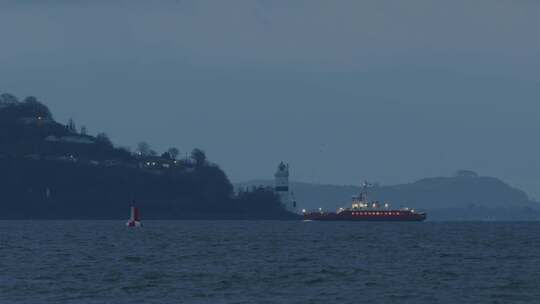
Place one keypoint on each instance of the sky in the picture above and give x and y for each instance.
(384, 90)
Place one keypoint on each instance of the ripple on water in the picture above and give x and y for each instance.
(269, 262)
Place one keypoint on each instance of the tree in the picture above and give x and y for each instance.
(31, 99)
(103, 138)
(71, 126)
(33, 108)
(143, 148)
(8, 99)
(173, 152)
(167, 156)
(198, 156)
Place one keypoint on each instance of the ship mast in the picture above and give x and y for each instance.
(364, 193)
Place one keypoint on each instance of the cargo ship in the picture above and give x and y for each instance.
(363, 210)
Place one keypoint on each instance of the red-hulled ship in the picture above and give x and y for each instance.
(363, 210)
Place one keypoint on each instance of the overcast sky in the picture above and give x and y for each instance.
(389, 91)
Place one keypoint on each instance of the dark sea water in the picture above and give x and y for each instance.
(268, 262)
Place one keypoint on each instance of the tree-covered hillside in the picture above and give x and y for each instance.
(54, 171)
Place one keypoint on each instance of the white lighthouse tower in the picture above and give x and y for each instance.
(281, 186)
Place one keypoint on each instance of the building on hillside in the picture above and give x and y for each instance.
(38, 121)
(156, 162)
(73, 139)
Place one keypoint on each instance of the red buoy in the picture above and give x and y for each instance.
(135, 219)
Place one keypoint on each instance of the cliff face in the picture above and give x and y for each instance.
(52, 171)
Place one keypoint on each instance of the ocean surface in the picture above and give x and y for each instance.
(269, 262)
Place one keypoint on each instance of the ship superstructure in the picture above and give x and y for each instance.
(363, 210)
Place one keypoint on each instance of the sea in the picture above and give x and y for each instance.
(269, 262)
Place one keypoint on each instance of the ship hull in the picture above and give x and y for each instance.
(361, 217)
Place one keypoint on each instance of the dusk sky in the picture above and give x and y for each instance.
(389, 91)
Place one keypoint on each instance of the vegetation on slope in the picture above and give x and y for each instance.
(51, 170)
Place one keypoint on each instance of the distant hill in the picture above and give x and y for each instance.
(49, 170)
(465, 196)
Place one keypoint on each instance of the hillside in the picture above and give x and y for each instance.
(460, 197)
(53, 171)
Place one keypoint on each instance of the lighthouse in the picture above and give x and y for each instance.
(281, 186)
